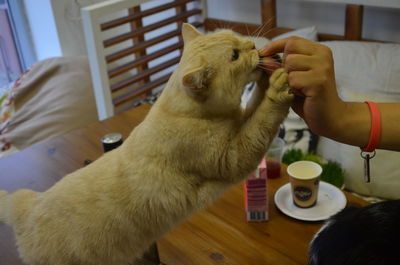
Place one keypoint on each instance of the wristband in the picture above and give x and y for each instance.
(375, 127)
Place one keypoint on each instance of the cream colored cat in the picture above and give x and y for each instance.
(194, 144)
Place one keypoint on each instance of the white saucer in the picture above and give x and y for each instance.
(330, 201)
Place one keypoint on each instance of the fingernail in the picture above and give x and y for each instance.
(266, 51)
(261, 51)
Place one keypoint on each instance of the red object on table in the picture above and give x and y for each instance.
(255, 194)
(273, 169)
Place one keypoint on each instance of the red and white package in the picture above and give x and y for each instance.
(256, 195)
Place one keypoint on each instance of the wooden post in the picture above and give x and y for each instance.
(353, 24)
(268, 14)
(135, 25)
(180, 9)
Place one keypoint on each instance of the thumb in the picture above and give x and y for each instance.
(274, 47)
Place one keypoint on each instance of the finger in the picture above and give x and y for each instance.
(302, 82)
(299, 45)
(297, 62)
(273, 48)
(289, 45)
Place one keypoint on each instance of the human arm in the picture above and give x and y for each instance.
(312, 78)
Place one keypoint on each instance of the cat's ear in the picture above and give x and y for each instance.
(189, 32)
(195, 80)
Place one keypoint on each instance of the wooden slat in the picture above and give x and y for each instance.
(268, 14)
(144, 59)
(141, 90)
(143, 45)
(129, 35)
(139, 15)
(129, 81)
(329, 37)
(353, 24)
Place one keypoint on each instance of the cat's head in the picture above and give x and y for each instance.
(215, 68)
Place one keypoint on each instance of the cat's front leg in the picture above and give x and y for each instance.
(257, 133)
(210, 190)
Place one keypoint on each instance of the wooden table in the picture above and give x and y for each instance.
(218, 235)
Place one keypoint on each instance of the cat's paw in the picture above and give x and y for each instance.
(278, 90)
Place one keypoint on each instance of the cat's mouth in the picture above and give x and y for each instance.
(270, 63)
(265, 64)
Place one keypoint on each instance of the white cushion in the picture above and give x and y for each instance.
(366, 69)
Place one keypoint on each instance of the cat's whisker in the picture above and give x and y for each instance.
(268, 23)
(269, 62)
(269, 69)
(268, 31)
(247, 29)
(260, 31)
(265, 68)
(256, 30)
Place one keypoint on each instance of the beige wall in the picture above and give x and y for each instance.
(63, 34)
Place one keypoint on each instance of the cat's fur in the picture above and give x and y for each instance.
(193, 145)
(360, 236)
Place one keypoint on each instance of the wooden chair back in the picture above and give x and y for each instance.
(133, 48)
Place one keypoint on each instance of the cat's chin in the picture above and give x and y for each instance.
(255, 75)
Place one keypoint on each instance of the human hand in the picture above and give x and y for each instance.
(312, 79)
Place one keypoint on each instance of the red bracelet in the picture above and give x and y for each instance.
(375, 127)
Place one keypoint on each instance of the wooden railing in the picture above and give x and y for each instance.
(134, 77)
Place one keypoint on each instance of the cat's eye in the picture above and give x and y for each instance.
(235, 55)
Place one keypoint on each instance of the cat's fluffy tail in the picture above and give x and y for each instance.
(3, 206)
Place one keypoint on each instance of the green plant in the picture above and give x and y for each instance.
(313, 158)
(331, 171)
(292, 155)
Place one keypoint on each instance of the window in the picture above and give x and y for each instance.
(16, 48)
